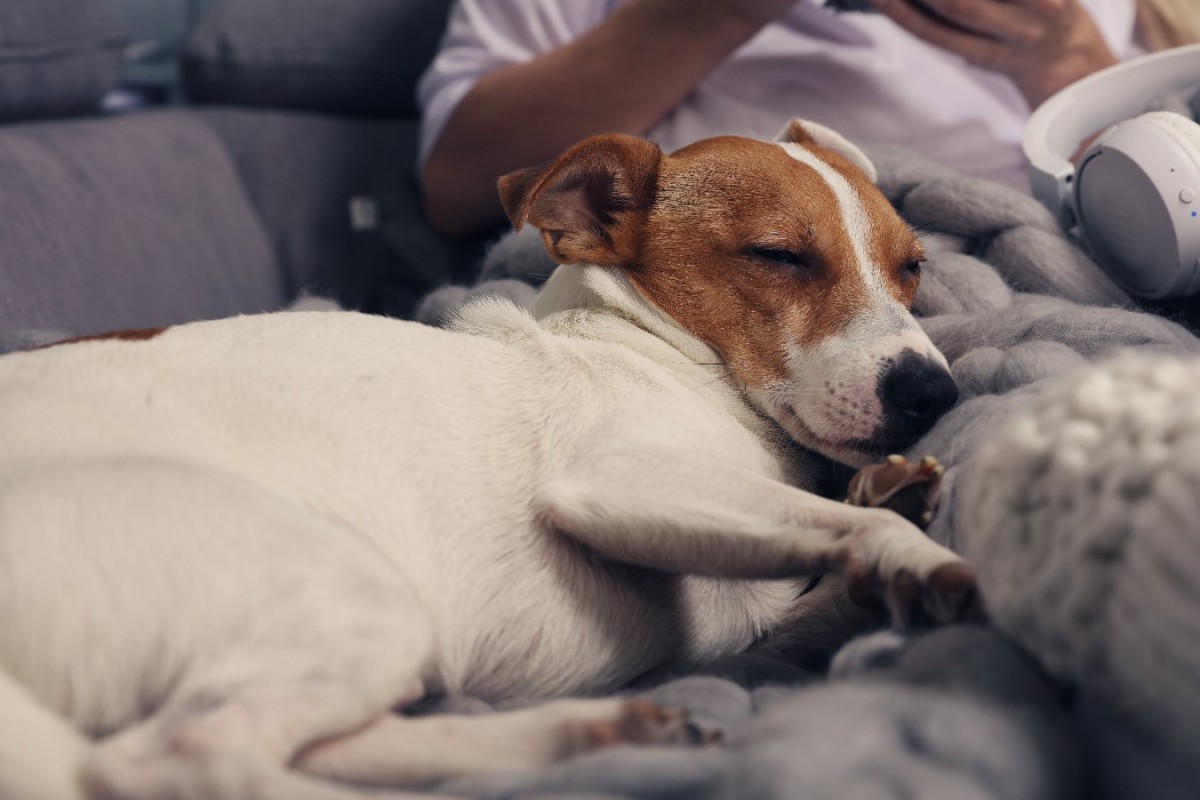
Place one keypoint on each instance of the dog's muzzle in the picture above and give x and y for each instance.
(915, 391)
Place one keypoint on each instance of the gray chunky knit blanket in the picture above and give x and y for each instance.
(1087, 554)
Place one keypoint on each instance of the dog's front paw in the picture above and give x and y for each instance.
(910, 488)
(643, 722)
(947, 594)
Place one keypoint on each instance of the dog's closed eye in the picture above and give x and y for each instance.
(782, 256)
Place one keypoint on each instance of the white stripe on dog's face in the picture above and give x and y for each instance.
(845, 415)
(854, 217)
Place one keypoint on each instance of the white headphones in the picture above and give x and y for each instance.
(1135, 197)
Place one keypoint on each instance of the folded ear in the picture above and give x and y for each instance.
(804, 132)
(591, 203)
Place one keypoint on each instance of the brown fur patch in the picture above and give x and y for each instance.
(717, 201)
(696, 232)
(130, 335)
(893, 244)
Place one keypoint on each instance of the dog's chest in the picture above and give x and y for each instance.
(582, 625)
(566, 623)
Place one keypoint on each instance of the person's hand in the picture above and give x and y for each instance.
(1042, 45)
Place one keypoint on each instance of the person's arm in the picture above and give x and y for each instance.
(624, 75)
(1041, 45)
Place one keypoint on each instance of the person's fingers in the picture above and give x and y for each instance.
(1066, 45)
(979, 50)
(1012, 22)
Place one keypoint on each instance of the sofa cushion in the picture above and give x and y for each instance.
(339, 199)
(126, 222)
(57, 57)
(362, 57)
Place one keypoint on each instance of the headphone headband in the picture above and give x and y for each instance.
(1119, 92)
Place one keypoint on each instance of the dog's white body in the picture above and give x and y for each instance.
(242, 537)
(423, 446)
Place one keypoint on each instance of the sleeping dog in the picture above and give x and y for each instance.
(230, 550)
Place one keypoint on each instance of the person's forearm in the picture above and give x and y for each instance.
(622, 76)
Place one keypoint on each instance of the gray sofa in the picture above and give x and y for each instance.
(287, 171)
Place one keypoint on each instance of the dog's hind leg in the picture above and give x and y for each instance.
(217, 746)
(415, 751)
(283, 682)
(235, 725)
(41, 754)
(247, 628)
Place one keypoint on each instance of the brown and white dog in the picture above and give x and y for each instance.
(229, 550)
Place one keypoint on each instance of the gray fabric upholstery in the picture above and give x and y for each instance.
(361, 57)
(126, 222)
(57, 57)
(206, 211)
(302, 173)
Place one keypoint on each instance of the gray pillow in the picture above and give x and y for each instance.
(57, 57)
(359, 57)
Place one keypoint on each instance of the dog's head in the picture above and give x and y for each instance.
(782, 256)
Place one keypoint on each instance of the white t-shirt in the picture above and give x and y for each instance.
(860, 74)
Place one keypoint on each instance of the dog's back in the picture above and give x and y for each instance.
(380, 427)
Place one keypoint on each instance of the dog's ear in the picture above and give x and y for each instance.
(805, 132)
(590, 203)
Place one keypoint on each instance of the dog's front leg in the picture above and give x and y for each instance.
(676, 510)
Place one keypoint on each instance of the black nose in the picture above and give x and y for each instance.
(916, 391)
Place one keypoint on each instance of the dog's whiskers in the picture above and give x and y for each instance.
(726, 376)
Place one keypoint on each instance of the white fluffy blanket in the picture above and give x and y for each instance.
(1083, 514)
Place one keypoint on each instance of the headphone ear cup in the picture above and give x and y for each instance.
(1184, 129)
(1137, 197)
